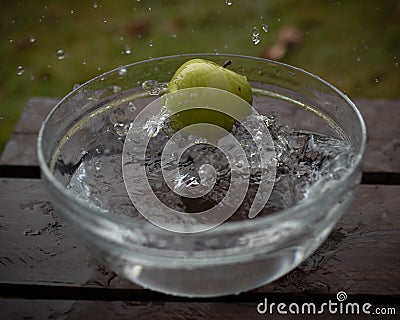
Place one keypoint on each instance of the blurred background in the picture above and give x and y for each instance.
(48, 47)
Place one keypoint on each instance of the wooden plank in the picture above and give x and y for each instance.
(35, 245)
(361, 255)
(381, 117)
(21, 147)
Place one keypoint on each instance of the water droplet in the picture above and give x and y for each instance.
(95, 5)
(10, 40)
(72, 11)
(173, 35)
(104, 20)
(20, 70)
(84, 61)
(60, 54)
(1, 117)
(279, 19)
(228, 2)
(32, 39)
(97, 165)
(396, 64)
(255, 37)
(122, 71)
(127, 50)
(76, 86)
(265, 27)
(376, 80)
(152, 87)
(150, 43)
(121, 128)
(131, 106)
(116, 89)
(358, 59)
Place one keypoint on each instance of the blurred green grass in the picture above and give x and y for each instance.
(353, 44)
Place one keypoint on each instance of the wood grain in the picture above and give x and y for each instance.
(360, 256)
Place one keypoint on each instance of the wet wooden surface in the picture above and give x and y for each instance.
(45, 273)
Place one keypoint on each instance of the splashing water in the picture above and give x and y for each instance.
(306, 163)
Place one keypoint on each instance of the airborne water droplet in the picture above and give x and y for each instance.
(150, 43)
(122, 71)
(228, 2)
(127, 50)
(95, 5)
(60, 54)
(255, 37)
(32, 39)
(20, 70)
(152, 87)
(131, 106)
(265, 27)
(376, 80)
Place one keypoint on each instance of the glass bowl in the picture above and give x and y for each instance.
(91, 123)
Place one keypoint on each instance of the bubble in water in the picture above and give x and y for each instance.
(72, 11)
(151, 43)
(84, 61)
(104, 20)
(127, 50)
(376, 80)
(265, 27)
(228, 2)
(255, 36)
(60, 54)
(153, 87)
(20, 70)
(122, 71)
(95, 5)
(32, 39)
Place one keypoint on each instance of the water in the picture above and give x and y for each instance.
(306, 163)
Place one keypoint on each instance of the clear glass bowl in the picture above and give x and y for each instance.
(237, 255)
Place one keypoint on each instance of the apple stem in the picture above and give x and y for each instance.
(227, 63)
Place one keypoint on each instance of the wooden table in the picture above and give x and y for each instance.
(45, 273)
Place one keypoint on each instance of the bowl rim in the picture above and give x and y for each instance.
(242, 225)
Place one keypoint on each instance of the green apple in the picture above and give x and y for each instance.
(203, 73)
